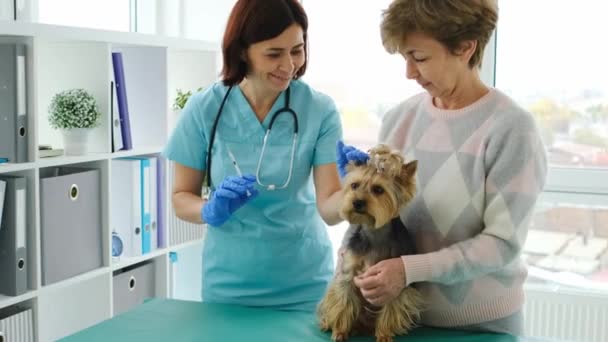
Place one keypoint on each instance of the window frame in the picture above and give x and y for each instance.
(560, 179)
(577, 186)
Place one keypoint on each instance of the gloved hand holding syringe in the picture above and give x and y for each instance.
(236, 167)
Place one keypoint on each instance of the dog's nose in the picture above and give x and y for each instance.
(359, 205)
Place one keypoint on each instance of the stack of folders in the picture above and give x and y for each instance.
(16, 325)
(121, 124)
(13, 103)
(13, 253)
(136, 219)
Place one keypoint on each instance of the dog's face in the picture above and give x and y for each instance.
(374, 192)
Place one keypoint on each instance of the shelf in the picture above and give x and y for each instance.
(69, 160)
(126, 262)
(16, 167)
(137, 152)
(76, 34)
(74, 280)
(185, 245)
(6, 301)
(60, 58)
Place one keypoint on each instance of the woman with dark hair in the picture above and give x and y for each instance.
(264, 141)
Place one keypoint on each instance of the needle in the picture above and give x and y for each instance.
(236, 167)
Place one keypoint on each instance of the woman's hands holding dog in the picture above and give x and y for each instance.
(382, 282)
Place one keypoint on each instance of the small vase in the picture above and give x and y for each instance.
(75, 141)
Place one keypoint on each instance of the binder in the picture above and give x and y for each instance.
(13, 247)
(17, 325)
(121, 97)
(13, 103)
(70, 218)
(126, 208)
(146, 200)
(160, 202)
(153, 195)
(116, 124)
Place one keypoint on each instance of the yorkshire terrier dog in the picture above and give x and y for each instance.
(374, 193)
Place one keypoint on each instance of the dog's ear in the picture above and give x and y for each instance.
(409, 168)
(407, 178)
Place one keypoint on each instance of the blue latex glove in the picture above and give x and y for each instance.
(227, 198)
(346, 154)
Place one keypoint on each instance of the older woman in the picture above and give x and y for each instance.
(481, 167)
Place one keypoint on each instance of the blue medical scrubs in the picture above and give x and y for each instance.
(274, 251)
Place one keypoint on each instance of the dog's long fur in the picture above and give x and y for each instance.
(374, 193)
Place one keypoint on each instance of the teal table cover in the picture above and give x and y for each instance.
(175, 320)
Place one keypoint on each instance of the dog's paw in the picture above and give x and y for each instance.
(384, 339)
(323, 325)
(339, 337)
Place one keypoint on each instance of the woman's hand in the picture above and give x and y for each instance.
(346, 154)
(382, 282)
(232, 194)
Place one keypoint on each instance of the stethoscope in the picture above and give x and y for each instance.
(285, 109)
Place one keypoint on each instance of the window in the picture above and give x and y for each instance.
(348, 62)
(194, 19)
(206, 19)
(554, 70)
(99, 14)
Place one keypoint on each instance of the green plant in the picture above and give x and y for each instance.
(74, 108)
(181, 98)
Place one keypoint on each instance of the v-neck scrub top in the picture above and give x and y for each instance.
(274, 251)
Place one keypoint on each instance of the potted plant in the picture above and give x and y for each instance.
(181, 98)
(74, 112)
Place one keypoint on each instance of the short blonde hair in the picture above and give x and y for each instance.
(448, 21)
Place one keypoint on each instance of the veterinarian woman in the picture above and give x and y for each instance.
(481, 167)
(266, 244)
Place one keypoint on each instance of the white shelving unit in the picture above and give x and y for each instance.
(60, 58)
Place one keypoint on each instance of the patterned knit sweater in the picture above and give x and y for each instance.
(480, 171)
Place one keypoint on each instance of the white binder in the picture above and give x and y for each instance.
(153, 204)
(126, 209)
(145, 200)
